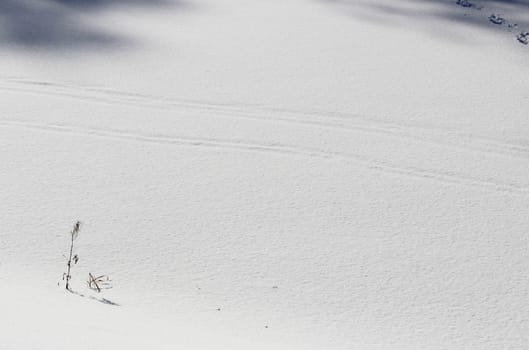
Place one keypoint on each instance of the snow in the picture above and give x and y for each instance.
(284, 175)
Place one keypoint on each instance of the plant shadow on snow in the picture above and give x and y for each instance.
(101, 300)
(420, 13)
(65, 24)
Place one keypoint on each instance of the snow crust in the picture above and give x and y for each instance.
(300, 174)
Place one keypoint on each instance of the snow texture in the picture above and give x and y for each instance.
(302, 174)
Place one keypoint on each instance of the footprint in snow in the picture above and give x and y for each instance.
(523, 38)
(497, 19)
(468, 4)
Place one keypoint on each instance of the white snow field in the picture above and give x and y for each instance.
(301, 174)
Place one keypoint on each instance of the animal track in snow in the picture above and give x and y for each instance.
(498, 20)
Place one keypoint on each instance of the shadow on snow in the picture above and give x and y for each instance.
(422, 12)
(64, 24)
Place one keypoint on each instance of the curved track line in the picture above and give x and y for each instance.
(277, 148)
(171, 140)
(333, 120)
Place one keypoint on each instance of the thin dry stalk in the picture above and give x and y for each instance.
(98, 283)
(73, 235)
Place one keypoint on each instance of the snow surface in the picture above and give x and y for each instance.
(302, 174)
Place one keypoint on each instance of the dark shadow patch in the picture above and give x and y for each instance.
(446, 14)
(65, 24)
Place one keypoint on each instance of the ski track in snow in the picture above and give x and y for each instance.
(245, 145)
(333, 120)
(428, 135)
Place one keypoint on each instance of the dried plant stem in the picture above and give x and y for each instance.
(73, 235)
(68, 276)
(98, 283)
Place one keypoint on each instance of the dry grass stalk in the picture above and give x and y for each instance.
(98, 283)
(73, 235)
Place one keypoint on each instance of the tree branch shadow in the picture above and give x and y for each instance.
(440, 16)
(63, 24)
